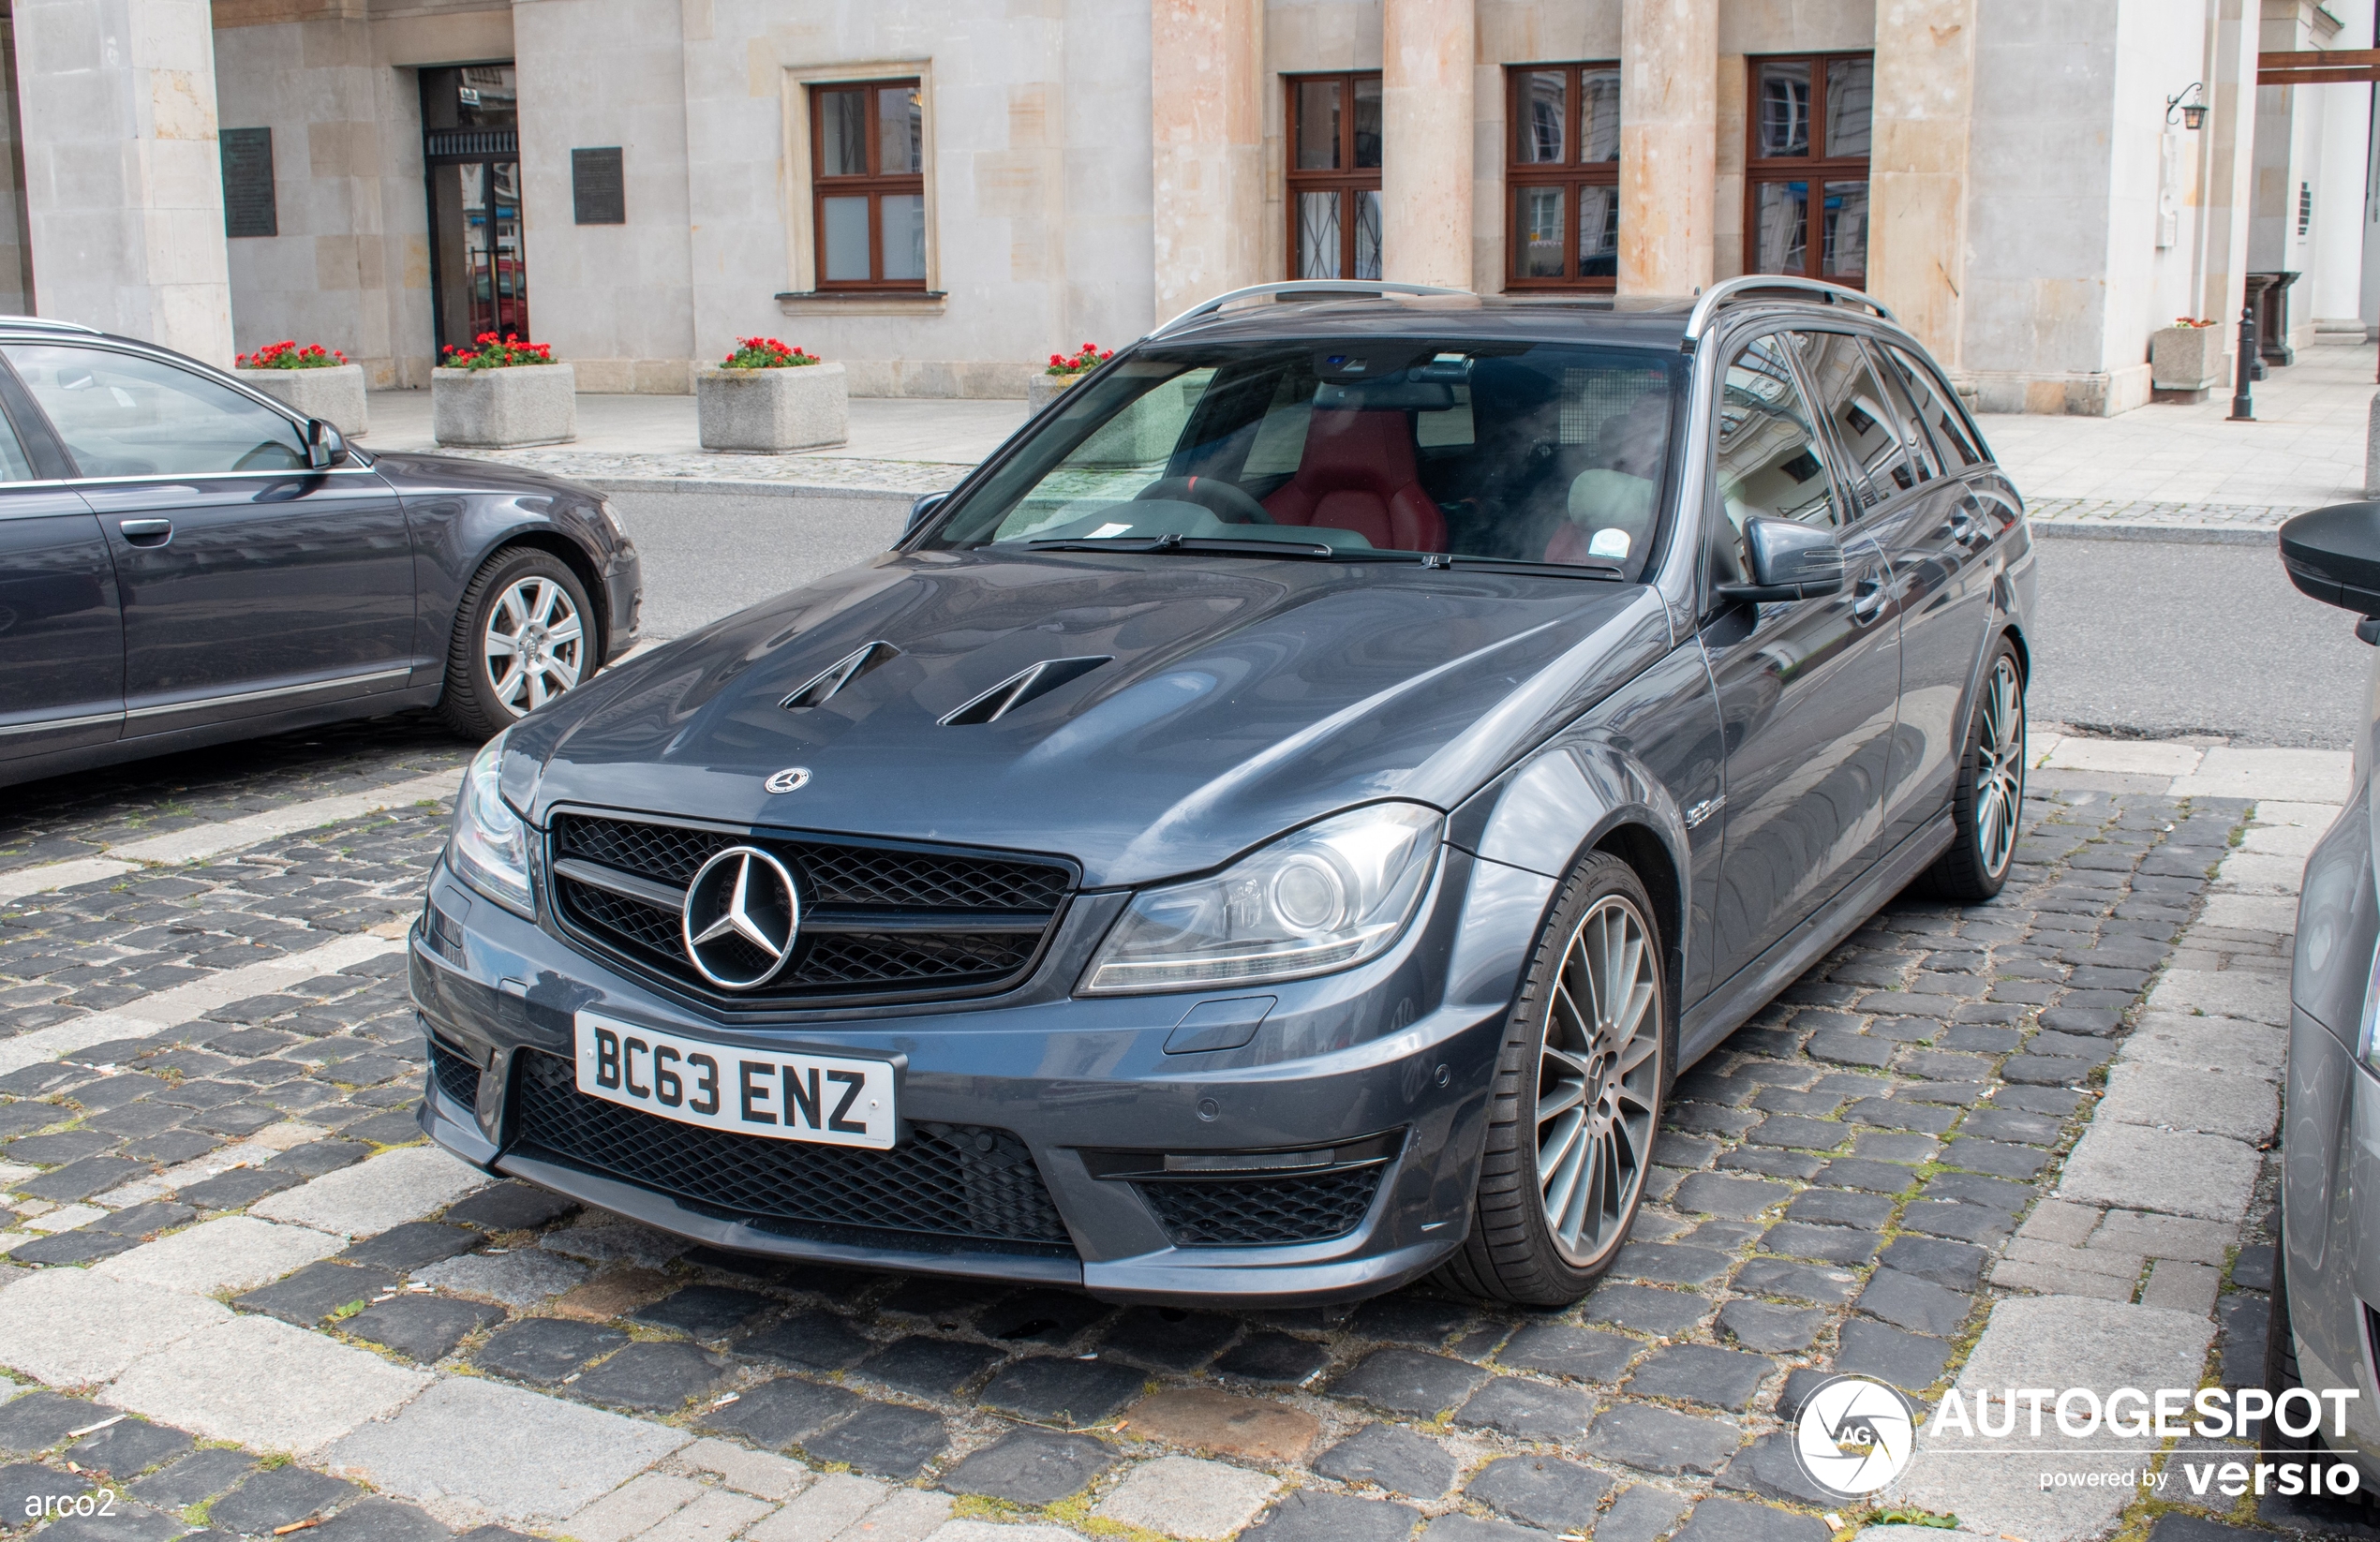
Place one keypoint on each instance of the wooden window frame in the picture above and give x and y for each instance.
(1346, 182)
(1570, 173)
(875, 184)
(1815, 170)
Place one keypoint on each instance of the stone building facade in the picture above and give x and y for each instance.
(941, 192)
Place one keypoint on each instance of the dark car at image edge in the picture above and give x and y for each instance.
(1279, 826)
(185, 561)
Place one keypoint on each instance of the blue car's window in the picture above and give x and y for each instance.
(122, 415)
(1536, 452)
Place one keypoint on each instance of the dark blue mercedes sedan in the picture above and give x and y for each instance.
(1277, 828)
(185, 561)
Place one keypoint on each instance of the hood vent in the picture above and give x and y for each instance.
(840, 674)
(1024, 686)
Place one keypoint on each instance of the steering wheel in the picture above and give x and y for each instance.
(1221, 498)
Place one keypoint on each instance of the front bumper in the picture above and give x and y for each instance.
(1391, 1048)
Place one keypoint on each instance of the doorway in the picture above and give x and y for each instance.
(470, 146)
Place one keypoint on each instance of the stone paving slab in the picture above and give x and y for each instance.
(69, 1327)
(2056, 1341)
(444, 1451)
(265, 1385)
(231, 1253)
(368, 1199)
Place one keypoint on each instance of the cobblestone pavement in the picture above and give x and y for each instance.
(694, 472)
(243, 1297)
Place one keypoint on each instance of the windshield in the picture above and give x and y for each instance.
(1516, 451)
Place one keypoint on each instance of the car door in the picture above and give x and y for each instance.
(250, 584)
(1808, 689)
(61, 631)
(1935, 539)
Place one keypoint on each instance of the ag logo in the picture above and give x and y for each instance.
(1854, 1436)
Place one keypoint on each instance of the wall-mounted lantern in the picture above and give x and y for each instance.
(2193, 114)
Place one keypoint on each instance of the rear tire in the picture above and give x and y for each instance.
(1571, 1122)
(523, 635)
(1987, 806)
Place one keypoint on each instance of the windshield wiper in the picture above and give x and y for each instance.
(1521, 565)
(1193, 545)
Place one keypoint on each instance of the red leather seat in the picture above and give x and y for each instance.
(1358, 474)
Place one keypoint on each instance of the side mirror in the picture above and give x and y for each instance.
(2333, 555)
(1790, 560)
(325, 446)
(923, 510)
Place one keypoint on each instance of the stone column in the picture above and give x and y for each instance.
(1426, 53)
(123, 182)
(1917, 175)
(2230, 147)
(1669, 144)
(1206, 107)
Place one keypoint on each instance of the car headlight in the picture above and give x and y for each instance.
(1319, 899)
(619, 531)
(488, 848)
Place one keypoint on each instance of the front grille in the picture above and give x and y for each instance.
(1266, 1211)
(963, 1180)
(457, 1077)
(877, 921)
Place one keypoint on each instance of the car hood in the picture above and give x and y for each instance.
(1239, 699)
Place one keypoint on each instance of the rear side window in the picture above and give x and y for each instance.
(122, 415)
(15, 466)
(1867, 427)
(1947, 425)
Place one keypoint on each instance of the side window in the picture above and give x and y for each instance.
(1865, 425)
(15, 466)
(1920, 451)
(1949, 426)
(1771, 461)
(122, 415)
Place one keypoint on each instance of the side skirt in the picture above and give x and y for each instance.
(1710, 1020)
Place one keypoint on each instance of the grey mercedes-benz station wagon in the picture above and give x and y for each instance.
(1279, 826)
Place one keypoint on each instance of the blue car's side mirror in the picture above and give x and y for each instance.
(922, 510)
(1790, 560)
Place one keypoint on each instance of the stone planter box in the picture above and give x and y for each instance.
(505, 409)
(770, 411)
(2186, 358)
(334, 395)
(1041, 390)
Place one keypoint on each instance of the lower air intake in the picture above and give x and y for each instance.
(1263, 1212)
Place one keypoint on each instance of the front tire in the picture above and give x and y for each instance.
(1577, 1096)
(1988, 804)
(523, 635)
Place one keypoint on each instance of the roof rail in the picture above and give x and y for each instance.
(1372, 287)
(1727, 290)
(44, 323)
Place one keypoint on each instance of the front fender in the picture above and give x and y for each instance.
(1625, 776)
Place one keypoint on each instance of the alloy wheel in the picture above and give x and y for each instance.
(2000, 768)
(1598, 1080)
(535, 644)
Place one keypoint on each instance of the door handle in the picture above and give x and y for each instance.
(1869, 600)
(146, 532)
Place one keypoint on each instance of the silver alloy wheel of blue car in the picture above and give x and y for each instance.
(536, 644)
(2000, 776)
(1598, 1080)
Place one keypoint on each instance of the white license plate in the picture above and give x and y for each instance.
(822, 1098)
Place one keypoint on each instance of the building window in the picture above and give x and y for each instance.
(1806, 169)
(1334, 176)
(1562, 174)
(867, 185)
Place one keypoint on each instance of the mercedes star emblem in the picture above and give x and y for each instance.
(791, 779)
(739, 917)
